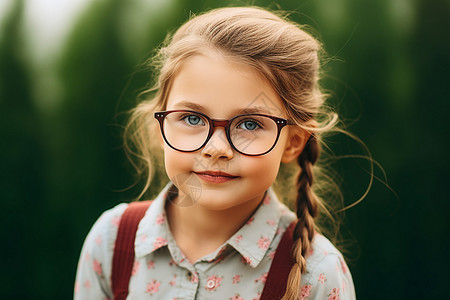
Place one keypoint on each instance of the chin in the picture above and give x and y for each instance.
(216, 203)
(221, 200)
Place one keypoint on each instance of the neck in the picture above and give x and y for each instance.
(199, 231)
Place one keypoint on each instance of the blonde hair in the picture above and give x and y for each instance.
(288, 57)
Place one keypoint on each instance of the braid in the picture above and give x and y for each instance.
(307, 210)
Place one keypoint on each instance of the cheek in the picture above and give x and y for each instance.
(176, 162)
(266, 167)
(263, 169)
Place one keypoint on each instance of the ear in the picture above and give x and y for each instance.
(295, 143)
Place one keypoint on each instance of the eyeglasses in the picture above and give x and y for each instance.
(248, 134)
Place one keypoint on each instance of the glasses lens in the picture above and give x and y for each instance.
(186, 131)
(253, 134)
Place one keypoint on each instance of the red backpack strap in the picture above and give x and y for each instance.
(123, 257)
(282, 263)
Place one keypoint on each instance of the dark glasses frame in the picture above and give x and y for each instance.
(213, 123)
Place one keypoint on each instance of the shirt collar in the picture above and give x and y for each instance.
(252, 240)
(153, 230)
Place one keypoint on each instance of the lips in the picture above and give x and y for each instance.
(215, 176)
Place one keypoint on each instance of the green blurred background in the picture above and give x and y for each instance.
(61, 112)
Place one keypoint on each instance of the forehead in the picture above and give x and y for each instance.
(221, 88)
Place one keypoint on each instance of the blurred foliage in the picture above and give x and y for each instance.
(62, 163)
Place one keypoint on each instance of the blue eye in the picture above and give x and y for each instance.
(193, 120)
(249, 125)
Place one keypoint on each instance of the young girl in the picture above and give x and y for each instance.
(237, 95)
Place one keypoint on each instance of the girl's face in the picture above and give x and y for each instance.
(216, 176)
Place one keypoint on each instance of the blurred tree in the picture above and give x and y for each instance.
(84, 143)
(21, 152)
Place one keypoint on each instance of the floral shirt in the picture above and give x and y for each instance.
(236, 270)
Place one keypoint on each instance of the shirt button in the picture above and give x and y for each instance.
(210, 284)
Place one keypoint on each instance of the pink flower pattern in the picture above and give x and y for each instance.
(173, 281)
(343, 266)
(264, 243)
(246, 260)
(87, 284)
(262, 278)
(153, 287)
(305, 291)
(233, 279)
(216, 280)
(238, 238)
(219, 259)
(136, 266)
(97, 267)
(194, 278)
(322, 278)
(258, 296)
(98, 240)
(115, 221)
(159, 242)
(271, 222)
(236, 279)
(150, 264)
(160, 219)
(334, 295)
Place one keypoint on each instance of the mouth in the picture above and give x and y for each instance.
(215, 176)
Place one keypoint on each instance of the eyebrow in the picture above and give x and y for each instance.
(255, 110)
(202, 109)
(191, 105)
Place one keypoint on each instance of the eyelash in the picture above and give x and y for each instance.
(185, 116)
(259, 126)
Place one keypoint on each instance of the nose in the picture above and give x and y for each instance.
(218, 146)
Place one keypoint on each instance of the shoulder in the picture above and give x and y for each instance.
(327, 273)
(94, 266)
(102, 236)
(322, 250)
(107, 225)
